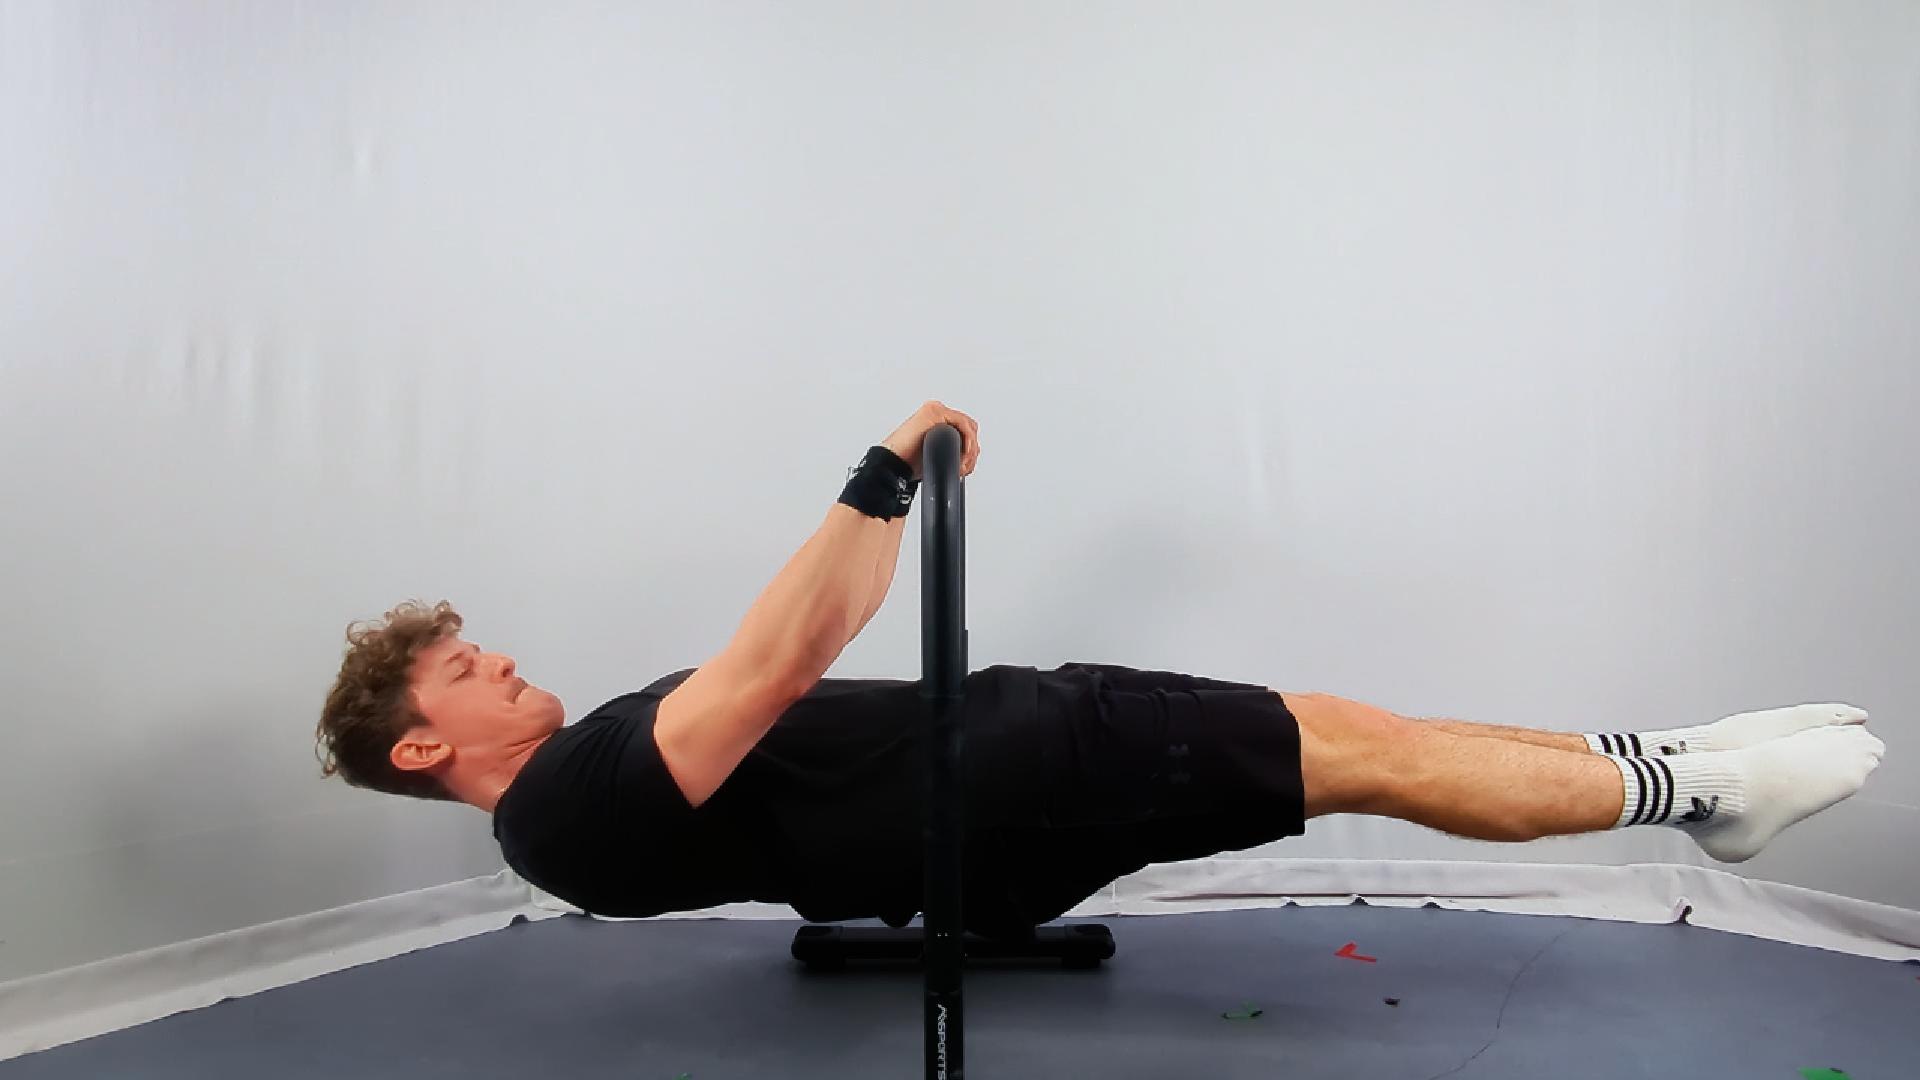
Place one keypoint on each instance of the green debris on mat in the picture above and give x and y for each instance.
(1245, 1012)
(1824, 1074)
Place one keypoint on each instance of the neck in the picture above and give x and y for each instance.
(483, 788)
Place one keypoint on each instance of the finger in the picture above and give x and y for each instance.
(960, 422)
(969, 435)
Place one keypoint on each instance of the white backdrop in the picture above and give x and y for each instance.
(1542, 364)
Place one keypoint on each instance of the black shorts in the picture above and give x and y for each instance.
(1142, 767)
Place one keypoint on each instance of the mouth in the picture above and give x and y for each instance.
(522, 690)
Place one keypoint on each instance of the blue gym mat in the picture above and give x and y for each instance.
(1423, 995)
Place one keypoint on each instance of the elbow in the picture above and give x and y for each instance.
(813, 651)
(792, 676)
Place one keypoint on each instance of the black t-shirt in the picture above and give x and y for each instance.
(824, 814)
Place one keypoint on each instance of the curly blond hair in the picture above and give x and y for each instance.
(371, 705)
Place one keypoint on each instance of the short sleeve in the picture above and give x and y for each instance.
(600, 823)
(657, 853)
(644, 789)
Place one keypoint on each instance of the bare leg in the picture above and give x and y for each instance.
(1729, 733)
(1552, 740)
(1361, 759)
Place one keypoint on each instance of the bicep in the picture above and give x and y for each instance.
(712, 720)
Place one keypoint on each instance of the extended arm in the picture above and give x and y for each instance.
(792, 634)
(790, 637)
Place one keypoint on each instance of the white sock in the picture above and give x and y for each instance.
(1732, 802)
(1735, 732)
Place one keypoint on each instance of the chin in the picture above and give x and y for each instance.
(556, 713)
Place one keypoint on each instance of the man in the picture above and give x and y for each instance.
(755, 778)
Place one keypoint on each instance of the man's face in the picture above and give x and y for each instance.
(472, 699)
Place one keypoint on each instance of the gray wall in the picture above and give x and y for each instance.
(1543, 364)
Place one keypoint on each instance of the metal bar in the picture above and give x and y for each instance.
(943, 660)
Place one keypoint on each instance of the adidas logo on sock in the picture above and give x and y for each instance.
(1702, 809)
(1678, 746)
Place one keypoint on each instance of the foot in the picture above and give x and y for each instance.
(1783, 780)
(1748, 729)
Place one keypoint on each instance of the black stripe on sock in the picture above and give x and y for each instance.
(1652, 816)
(1666, 811)
(1635, 740)
(1662, 794)
(1640, 806)
(1606, 743)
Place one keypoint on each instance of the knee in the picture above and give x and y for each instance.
(1355, 758)
(1344, 723)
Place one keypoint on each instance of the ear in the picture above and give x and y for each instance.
(416, 751)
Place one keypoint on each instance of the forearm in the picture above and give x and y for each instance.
(822, 597)
(888, 560)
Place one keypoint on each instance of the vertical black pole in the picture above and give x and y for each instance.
(943, 661)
